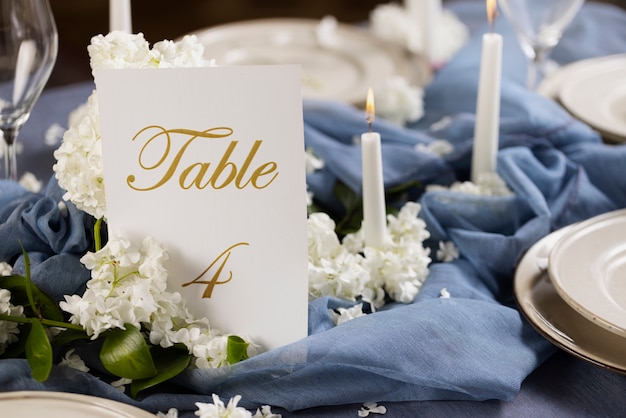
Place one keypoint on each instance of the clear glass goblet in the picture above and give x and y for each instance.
(539, 25)
(28, 50)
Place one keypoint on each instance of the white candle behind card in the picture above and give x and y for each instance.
(120, 17)
(374, 214)
(486, 131)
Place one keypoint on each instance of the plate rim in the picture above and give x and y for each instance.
(584, 71)
(89, 400)
(556, 280)
(527, 274)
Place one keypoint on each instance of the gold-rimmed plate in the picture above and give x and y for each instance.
(556, 320)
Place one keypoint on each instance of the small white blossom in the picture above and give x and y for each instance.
(120, 384)
(439, 147)
(30, 182)
(172, 413)
(217, 409)
(312, 163)
(5, 269)
(345, 315)
(53, 134)
(488, 184)
(371, 408)
(73, 360)
(326, 32)
(447, 251)
(399, 102)
(8, 329)
(444, 294)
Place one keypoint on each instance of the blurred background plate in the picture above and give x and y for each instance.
(339, 61)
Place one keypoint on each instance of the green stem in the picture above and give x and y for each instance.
(97, 235)
(47, 322)
(29, 284)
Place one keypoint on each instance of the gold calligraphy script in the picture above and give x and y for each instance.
(202, 174)
(215, 280)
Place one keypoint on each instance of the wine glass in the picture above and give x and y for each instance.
(539, 25)
(28, 50)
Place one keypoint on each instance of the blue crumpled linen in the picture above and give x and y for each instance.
(473, 346)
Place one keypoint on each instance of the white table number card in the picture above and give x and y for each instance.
(210, 162)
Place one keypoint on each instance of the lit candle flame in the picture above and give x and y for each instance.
(369, 108)
(492, 12)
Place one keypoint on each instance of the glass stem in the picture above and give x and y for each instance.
(10, 158)
(535, 68)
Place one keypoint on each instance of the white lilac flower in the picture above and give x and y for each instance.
(333, 270)
(120, 50)
(371, 408)
(5, 269)
(447, 251)
(399, 102)
(487, 184)
(345, 315)
(171, 413)
(350, 270)
(73, 360)
(217, 409)
(392, 22)
(79, 158)
(8, 329)
(128, 286)
(444, 294)
(79, 161)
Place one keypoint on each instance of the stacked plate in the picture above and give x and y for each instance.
(571, 286)
(594, 91)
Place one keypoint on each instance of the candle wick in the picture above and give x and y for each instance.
(369, 122)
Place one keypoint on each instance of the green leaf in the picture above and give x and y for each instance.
(236, 349)
(39, 352)
(169, 363)
(125, 353)
(44, 304)
(69, 336)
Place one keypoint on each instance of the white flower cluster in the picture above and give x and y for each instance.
(79, 158)
(393, 23)
(350, 270)
(487, 184)
(128, 286)
(217, 409)
(8, 329)
(399, 102)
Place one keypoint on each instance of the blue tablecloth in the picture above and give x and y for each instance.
(474, 346)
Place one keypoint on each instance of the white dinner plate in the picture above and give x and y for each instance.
(555, 319)
(595, 92)
(64, 405)
(552, 83)
(338, 63)
(588, 269)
